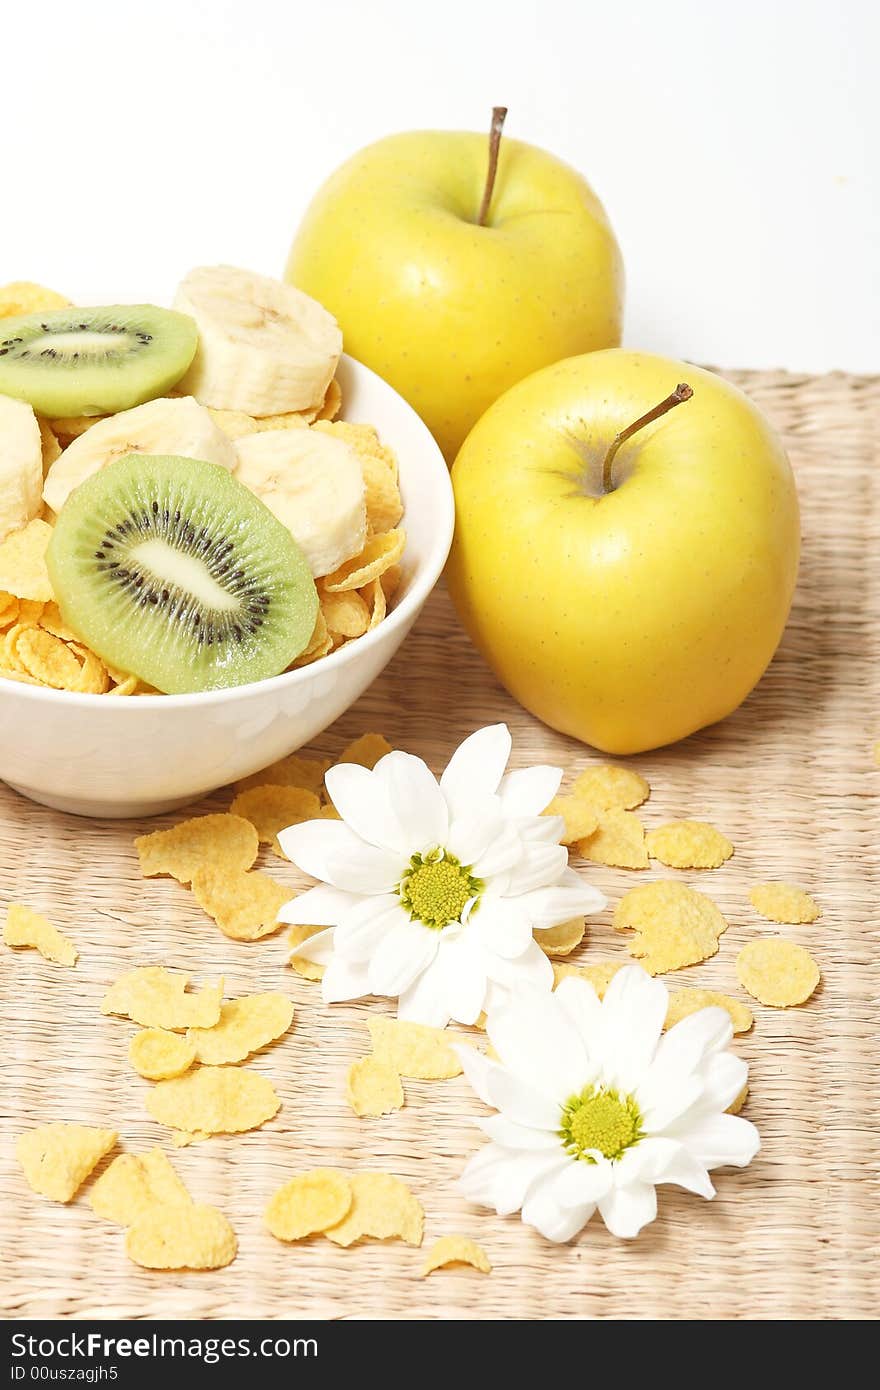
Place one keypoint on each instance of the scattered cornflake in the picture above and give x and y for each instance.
(372, 1087)
(308, 969)
(599, 975)
(689, 844)
(783, 902)
(382, 1208)
(777, 972)
(456, 1250)
(245, 906)
(273, 807)
(56, 1159)
(158, 998)
(158, 1055)
(346, 614)
(24, 927)
(52, 621)
(739, 1101)
(245, 1025)
(618, 842)
(134, 1184)
(378, 555)
(292, 771)
(374, 597)
(223, 839)
(320, 643)
(23, 562)
(581, 817)
(25, 297)
(47, 659)
(689, 1001)
(181, 1237)
(674, 925)
(214, 1100)
(308, 1204)
(414, 1049)
(365, 751)
(611, 788)
(561, 940)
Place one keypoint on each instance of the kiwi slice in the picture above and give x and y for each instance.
(171, 569)
(94, 361)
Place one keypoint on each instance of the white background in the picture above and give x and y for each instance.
(734, 144)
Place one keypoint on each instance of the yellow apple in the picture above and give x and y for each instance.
(449, 311)
(625, 596)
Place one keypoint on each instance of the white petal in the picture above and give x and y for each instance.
(547, 907)
(582, 1183)
(677, 1060)
(518, 974)
(465, 982)
(529, 790)
(555, 1222)
(402, 954)
(424, 1001)
(361, 798)
(502, 854)
(538, 866)
(721, 1140)
(582, 1005)
(537, 1041)
(478, 1068)
(666, 1161)
(476, 768)
(343, 980)
(501, 926)
(625, 1210)
(473, 832)
(539, 829)
(364, 926)
(417, 800)
(633, 1014)
(667, 1100)
(331, 851)
(521, 1102)
(723, 1077)
(317, 948)
(513, 1136)
(500, 1178)
(322, 906)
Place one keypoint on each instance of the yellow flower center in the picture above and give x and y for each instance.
(600, 1120)
(436, 889)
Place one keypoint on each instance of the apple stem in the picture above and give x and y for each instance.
(682, 393)
(499, 114)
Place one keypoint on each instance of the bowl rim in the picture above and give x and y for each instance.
(425, 580)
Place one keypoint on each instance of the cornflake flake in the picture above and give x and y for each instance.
(214, 1100)
(689, 844)
(562, 939)
(689, 1001)
(784, 903)
(223, 840)
(181, 1237)
(619, 842)
(674, 925)
(777, 972)
(245, 1026)
(158, 998)
(372, 1087)
(56, 1159)
(135, 1183)
(158, 1055)
(415, 1049)
(244, 905)
(308, 1204)
(383, 1208)
(456, 1250)
(24, 928)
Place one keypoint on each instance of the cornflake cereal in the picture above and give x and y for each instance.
(292, 771)
(414, 1049)
(214, 1100)
(23, 563)
(246, 1025)
(273, 807)
(618, 842)
(581, 817)
(225, 840)
(739, 1101)
(611, 788)
(777, 972)
(674, 925)
(378, 555)
(24, 927)
(382, 1208)
(245, 906)
(456, 1250)
(157, 1055)
(158, 998)
(561, 940)
(135, 1183)
(689, 1001)
(308, 1204)
(372, 1087)
(56, 1159)
(24, 297)
(307, 969)
(346, 614)
(783, 902)
(599, 975)
(181, 1237)
(689, 844)
(366, 751)
(47, 659)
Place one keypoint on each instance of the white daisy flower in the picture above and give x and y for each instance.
(596, 1106)
(431, 891)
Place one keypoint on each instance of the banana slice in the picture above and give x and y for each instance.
(264, 347)
(314, 485)
(21, 465)
(177, 425)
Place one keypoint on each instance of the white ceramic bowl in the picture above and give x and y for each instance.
(98, 756)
